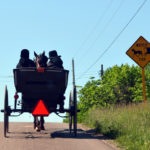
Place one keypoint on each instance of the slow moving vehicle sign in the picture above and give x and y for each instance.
(140, 53)
(40, 109)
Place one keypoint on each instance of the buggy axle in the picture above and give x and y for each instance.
(27, 111)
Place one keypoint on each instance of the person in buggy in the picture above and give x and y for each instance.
(56, 63)
(55, 60)
(24, 60)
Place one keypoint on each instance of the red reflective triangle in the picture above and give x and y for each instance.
(40, 69)
(40, 109)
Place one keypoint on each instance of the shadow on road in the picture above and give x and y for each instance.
(81, 134)
(47, 134)
(28, 135)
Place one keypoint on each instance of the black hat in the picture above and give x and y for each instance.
(53, 53)
(24, 53)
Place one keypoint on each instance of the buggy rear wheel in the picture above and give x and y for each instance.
(6, 112)
(75, 111)
(70, 114)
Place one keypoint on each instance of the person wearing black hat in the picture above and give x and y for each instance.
(56, 63)
(55, 60)
(24, 60)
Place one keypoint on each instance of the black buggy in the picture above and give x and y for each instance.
(41, 84)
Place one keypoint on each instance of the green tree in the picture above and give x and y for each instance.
(119, 85)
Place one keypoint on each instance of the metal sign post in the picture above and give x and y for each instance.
(140, 53)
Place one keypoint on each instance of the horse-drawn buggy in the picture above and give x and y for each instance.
(42, 92)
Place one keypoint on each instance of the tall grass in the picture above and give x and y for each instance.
(128, 125)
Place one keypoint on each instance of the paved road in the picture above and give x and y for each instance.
(55, 137)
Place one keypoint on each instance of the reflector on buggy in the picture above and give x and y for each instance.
(40, 109)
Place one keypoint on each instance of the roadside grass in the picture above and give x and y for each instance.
(128, 125)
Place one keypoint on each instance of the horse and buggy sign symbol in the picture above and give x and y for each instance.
(140, 52)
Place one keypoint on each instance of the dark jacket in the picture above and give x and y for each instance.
(25, 62)
(55, 62)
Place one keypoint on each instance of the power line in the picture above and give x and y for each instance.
(103, 30)
(96, 25)
(118, 35)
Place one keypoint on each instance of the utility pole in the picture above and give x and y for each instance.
(73, 74)
(102, 70)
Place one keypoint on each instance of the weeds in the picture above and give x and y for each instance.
(128, 125)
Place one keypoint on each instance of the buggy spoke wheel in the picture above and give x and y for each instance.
(70, 123)
(70, 114)
(6, 122)
(75, 111)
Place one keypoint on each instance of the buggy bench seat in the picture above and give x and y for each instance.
(34, 84)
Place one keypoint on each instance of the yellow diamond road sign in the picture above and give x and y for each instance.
(140, 52)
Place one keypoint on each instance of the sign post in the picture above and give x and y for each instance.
(140, 53)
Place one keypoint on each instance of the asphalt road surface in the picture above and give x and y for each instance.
(21, 136)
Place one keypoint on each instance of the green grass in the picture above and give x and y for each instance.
(128, 125)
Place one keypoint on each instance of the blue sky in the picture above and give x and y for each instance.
(79, 29)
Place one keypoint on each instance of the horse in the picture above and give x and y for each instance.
(40, 61)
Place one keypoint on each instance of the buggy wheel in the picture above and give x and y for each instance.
(6, 112)
(74, 101)
(70, 113)
(75, 111)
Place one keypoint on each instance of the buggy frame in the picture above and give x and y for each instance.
(46, 84)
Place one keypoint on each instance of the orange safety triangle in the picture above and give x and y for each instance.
(40, 109)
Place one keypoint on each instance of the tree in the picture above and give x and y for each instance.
(119, 85)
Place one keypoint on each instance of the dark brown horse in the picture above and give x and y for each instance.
(41, 62)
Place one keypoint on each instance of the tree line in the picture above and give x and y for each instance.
(118, 85)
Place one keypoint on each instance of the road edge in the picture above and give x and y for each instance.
(110, 143)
